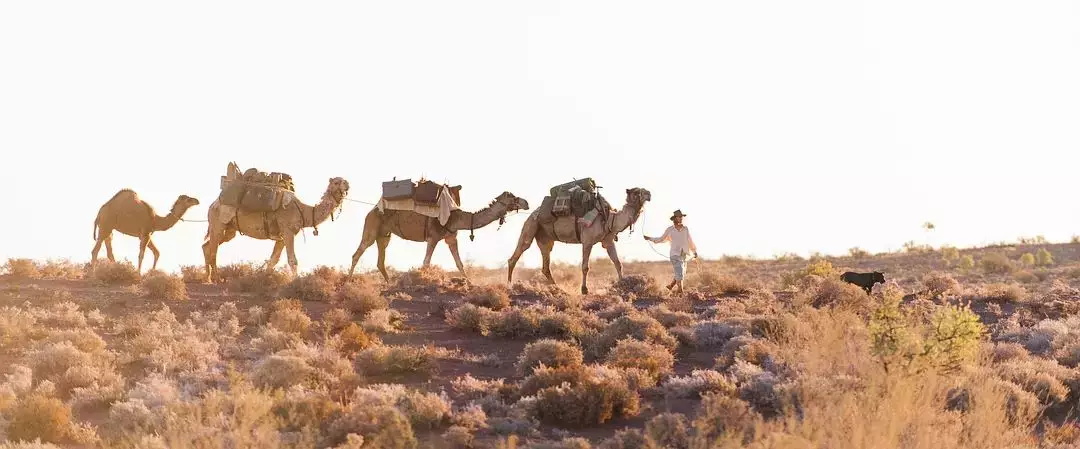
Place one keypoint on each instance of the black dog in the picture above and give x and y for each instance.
(864, 280)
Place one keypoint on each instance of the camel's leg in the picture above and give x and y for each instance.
(154, 251)
(370, 235)
(142, 249)
(546, 245)
(97, 245)
(108, 247)
(275, 255)
(528, 232)
(431, 244)
(382, 243)
(614, 255)
(290, 249)
(451, 242)
(210, 250)
(586, 252)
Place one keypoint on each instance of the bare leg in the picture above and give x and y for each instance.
(614, 255)
(586, 252)
(528, 232)
(382, 243)
(546, 245)
(275, 255)
(451, 241)
(154, 251)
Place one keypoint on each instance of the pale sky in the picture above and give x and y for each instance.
(776, 126)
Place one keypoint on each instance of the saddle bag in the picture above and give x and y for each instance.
(586, 184)
(427, 192)
(231, 192)
(397, 190)
(261, 198)
(561, 206)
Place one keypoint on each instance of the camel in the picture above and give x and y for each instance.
(413, 226)
(546, 230)
(129, 215)
(281, 225)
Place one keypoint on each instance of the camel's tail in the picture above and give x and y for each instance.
(95, 228)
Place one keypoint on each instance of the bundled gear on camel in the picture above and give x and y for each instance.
(578, 198)
(254, 190)
(425, 197)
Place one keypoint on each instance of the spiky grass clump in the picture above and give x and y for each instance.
(163, 286)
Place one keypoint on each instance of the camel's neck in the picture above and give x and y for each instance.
(625, 217)
(475, 220)
(166, 222)
(317, 214)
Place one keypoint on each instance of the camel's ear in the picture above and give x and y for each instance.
(628, 190)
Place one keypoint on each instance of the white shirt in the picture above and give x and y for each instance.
(681, 242)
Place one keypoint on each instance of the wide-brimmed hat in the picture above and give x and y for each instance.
(678, 213)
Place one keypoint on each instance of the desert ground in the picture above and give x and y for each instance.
(961, 348)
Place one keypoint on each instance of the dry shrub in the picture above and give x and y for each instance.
(591, 402)
(289, 317)
(805, 278)
(236, 271)
(967, 262)
(519, 322)
(22, 269)
(44, 418)
(837, 294)
(426, 279)
(549, 353)
(940, 284)
(471, 318)
(655, 359)
(459, 437)
(361, 296)
(715, 333)
(397, 361)
(1025, 277)
(336, 319)
(319, 285)
(549, 293)
(353, 339)
(670, 318)
(382, 425)
(384, 321)
(697, 384)
(62, 269)
(115, 273)
(265, 282)
(1003, 293)
(722, 418)
(494, 297)
(573, 324)
(193, 274)
(715, 283)
(163, 286)
(668, 430)
(637, 326)
(626, 439)
(638, 286)
(996, 263)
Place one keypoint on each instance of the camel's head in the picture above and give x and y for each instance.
(338, 189)
(637, 196)
(183, 203)
(512, 202)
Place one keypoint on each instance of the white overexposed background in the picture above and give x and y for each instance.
(776, 126)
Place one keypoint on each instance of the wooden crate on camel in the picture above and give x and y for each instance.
(254, 190)
(425, 197)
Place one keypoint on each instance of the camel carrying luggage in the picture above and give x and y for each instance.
(576, 198)
(427, 192)
(254, 190)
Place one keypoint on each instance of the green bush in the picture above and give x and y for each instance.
(996, 264)
(1027, 259)
(1043, 257)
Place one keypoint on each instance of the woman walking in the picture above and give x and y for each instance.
(681, 245)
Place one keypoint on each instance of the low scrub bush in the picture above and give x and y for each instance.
(261, 282)
(469, 317)
(115, 273)
(588, 403)
(637, 326)
(655, 359)
(22, 269)
(712, 282)
(163, 286)
(494, 297)
(41, 418)
(360, 297)
(193, 274)
(550, 353)
(396, 361)
(319, 285)
(996, 263)
(638, 286)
